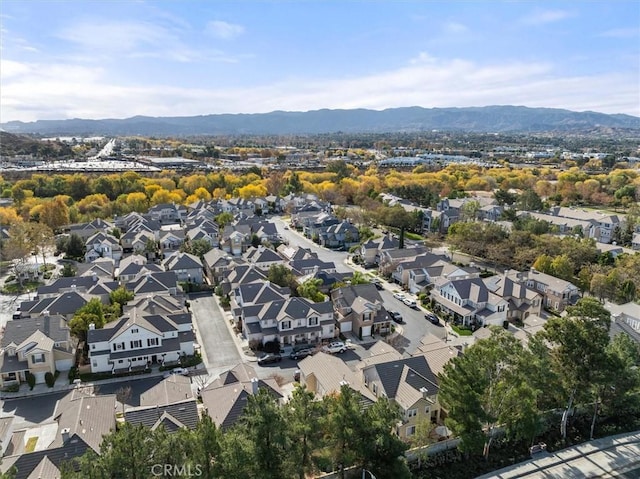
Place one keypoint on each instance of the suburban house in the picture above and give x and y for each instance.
(140, 240)
(102, 269)
(102, 245)
(370, 251)
(289, 321)
(604, 223)
(342, 235)
(86, 230)
(134, 266)
(388, 260)
(470, 302)
(360, 309)
(138, 339)
(165, 213)
(187, 267)
(170, 240)
(226, 398)
(235, 241)
(64, 304)
(241, 274)
(164, 282)
(403, 269)
(176, 388)
(80, 421)
(303, 267)
(262, 258)
(424, 277)
(35, 345)
(172, 416)
(523, 301)
(325, 374)
(216, 264)
(557, 293)
(410, 383)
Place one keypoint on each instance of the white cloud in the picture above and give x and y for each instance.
(224, 30)
(621, 33)
(543, 17)
(455, 28)
(37, 91)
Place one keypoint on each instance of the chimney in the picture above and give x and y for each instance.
(94, 276)
(254, 386)
(425, 392)
(92, 326)
(65, 434)
(45, 313)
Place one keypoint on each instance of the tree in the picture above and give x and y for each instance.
(344, 425)
(579, 343)
(484, 389)
(120, 297)
(91, 313)
(303, 415)
(41, 239)
(282, 276)
(310, 290)
(17, 247)
(358, 278)
(224, 219)
(263, 422)
(55, 213)
(207, 447)
(197, 247)
(529, 200)
(75, 247)
(381, 449)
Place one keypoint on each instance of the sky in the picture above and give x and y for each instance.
(121, 58)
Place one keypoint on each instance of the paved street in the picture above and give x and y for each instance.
(296, 239)
(31, 410)
(218, 347)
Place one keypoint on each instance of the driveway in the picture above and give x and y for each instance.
(219, 350)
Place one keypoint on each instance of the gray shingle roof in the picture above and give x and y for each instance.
(184, 411)
(16, 331)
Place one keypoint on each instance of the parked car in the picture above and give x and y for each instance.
(432, 317)
(335, 347)
(396, 316)
(377, 283)
(302, 353)
(269, 359)
(410, 302)
(180, 371)
(399, 296)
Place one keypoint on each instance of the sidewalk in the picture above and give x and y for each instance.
(241, 344)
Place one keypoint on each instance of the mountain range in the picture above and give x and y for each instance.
(489, 119)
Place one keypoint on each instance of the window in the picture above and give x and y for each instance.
(118, 346)
(93, 346)
(285, 325)
(375, 388)
(37, 358)
(134, 330)
(152, 342)
(427, 410)
(313, 321)
(501, 308)
(412, 413)
(119, 361)
(411, 430)
(136, 344)
(94, 364)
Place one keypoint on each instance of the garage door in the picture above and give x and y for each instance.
(64, 364)
(366, 331)
(40, 377)
(345, 327)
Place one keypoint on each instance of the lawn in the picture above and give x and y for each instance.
(413, 236)
(460, 331)
(31, 444)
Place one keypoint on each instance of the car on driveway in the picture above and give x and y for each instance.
(396, 316)
(335, 347)
(432, 317)
(301, 354)
(399, 296)
(269, 359)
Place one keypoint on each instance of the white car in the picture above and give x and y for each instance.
(410, 302)
(335, 347)
(180, 371)
(399, 296)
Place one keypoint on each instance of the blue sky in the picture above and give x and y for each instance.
(117, 58)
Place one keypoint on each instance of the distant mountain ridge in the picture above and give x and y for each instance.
(489, 119)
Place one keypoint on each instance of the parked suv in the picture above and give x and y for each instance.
(335, 347)
(396, 316)
(410, 302)
(432, 317)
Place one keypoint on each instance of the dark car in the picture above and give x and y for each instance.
(269, 359)
(300, 354)
(396, 316)
(432, 317)
(377, 283)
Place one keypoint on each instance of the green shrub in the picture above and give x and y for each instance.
(49, 379)
(31, 379)
(73, 374)
(14, 388)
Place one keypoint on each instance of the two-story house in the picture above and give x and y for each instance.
(262, 258)
(523, 301)
(187, 267)
(289, 321)
(102, 245)
(166, 213)
(557, 293)
(138, 340)
(470, 302)
(35, 345)
(360, 309)
(371, 250)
